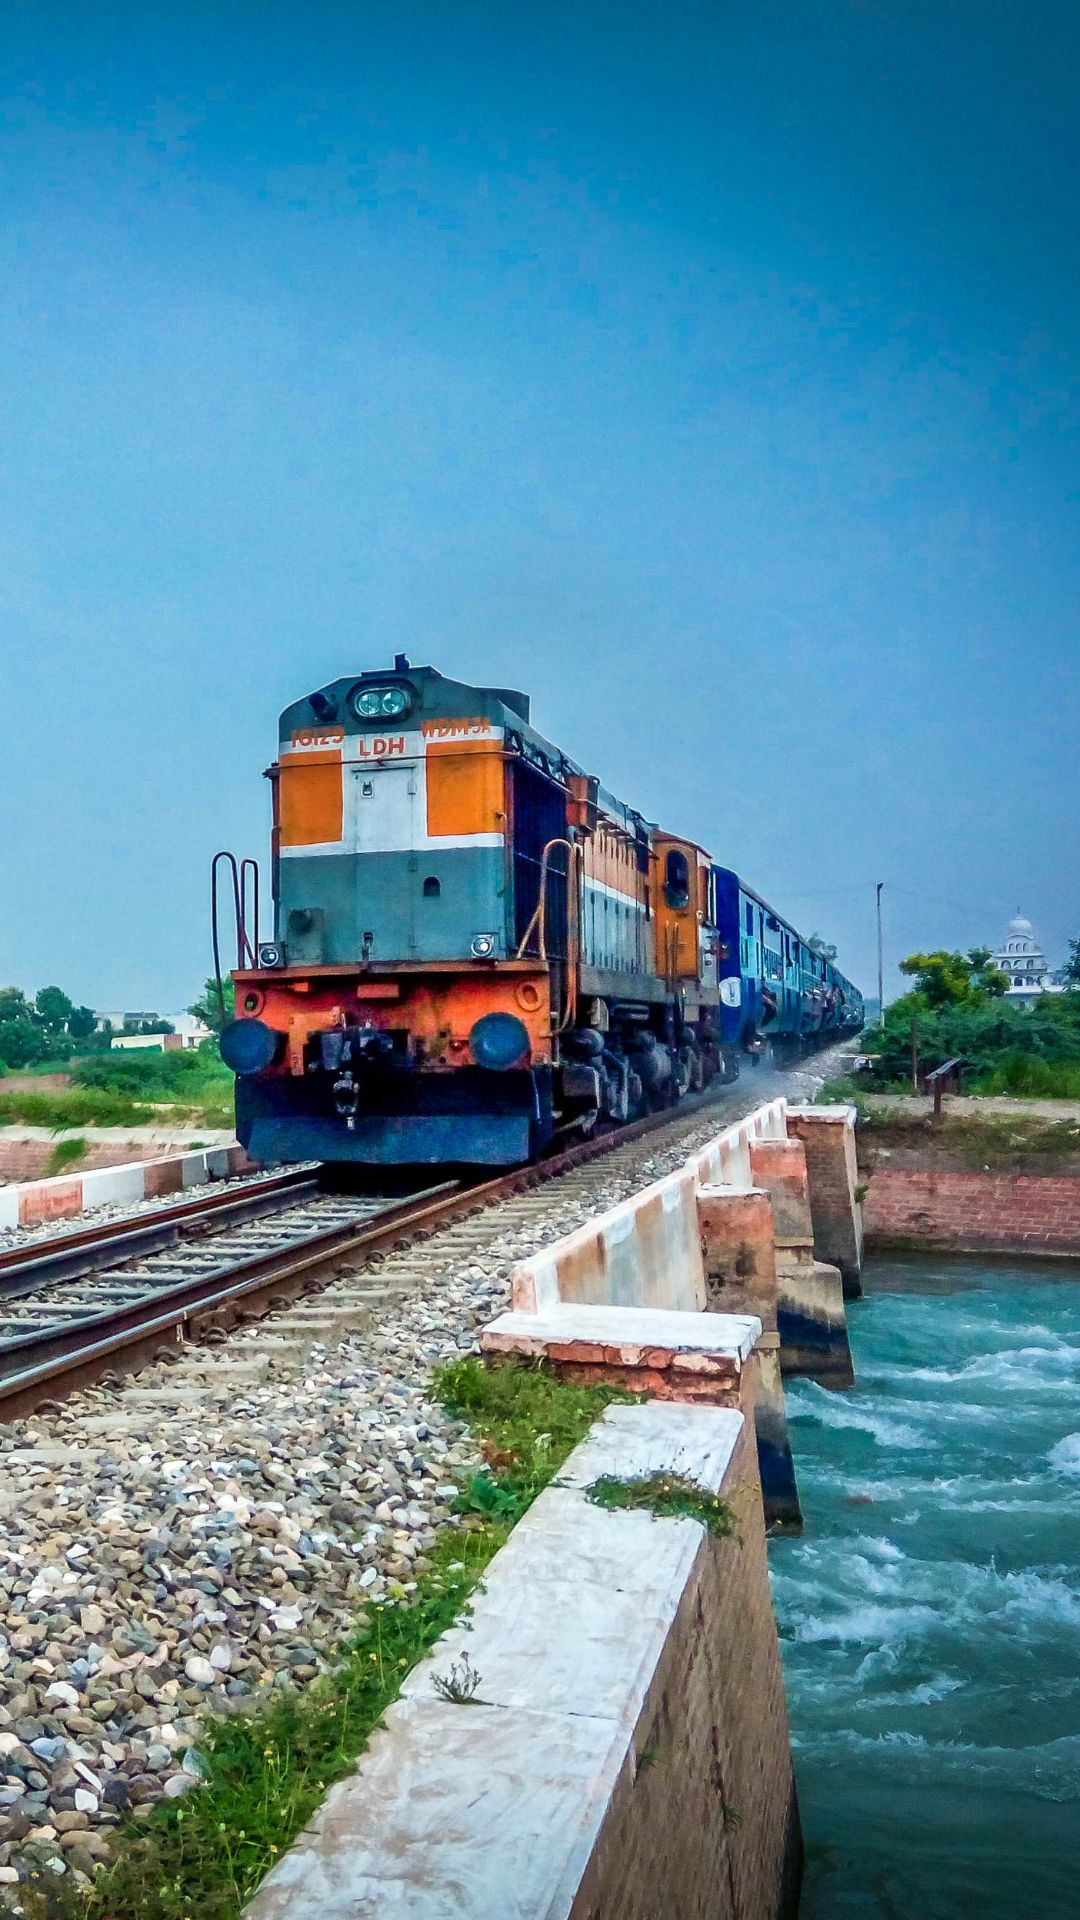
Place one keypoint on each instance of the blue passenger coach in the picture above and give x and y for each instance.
(775, 989)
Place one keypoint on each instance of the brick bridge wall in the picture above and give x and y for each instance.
(29, 1159)
(946, 1209)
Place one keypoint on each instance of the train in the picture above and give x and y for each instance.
(478, 951)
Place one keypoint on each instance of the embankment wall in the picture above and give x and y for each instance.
(122, 1184)
(23, 1160)
(947, 1210)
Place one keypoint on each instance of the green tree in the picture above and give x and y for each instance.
(22, 1039)
(1072, 964)
(207, 1007)
(824, 947)
(53, 1010)
(81, 1023)
(949, 979)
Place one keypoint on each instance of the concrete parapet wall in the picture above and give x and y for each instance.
(973, 1212)
(779, 1166)
(726, 1160)
(733, 1232)
(667, 1355)
(643, 1253)
(66, 1195)
(738, 1244)
(626, 1751)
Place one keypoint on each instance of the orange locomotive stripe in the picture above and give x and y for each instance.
(465, 787)
(311, 798)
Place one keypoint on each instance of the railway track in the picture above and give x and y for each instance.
(105, 1300)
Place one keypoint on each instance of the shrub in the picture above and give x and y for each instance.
(1032, 1078)
(66, 1153)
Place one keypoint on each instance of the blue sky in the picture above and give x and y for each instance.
(708, 370)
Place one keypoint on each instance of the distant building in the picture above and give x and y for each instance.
(191, 1030)
(1025, 965)
(188, 1031)
(118, 1021)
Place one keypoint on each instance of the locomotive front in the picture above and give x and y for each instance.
(397, 1015)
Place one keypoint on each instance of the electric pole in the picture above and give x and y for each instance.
(880, 965)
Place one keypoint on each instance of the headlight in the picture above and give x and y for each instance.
(483, 946)
(270, 954)
(248, 1046)
(499, 1041)
(376, 703)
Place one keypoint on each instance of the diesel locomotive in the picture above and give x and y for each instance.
(478, 949)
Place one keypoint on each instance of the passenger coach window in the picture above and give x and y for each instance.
(676, 880)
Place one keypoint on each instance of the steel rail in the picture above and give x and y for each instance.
(156, 1325)
(87, 1250)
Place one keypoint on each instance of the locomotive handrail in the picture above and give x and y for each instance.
(244, 875)
(249, 871)
(538, 923)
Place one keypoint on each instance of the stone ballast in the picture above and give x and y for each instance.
(624, 1749)
(279, 1481)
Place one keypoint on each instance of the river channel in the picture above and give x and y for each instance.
(930, 1616)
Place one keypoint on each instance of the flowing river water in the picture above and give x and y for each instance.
(930, 1616)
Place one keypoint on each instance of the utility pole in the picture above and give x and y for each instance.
(880, 965)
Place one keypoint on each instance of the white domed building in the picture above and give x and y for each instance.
(1021, 958)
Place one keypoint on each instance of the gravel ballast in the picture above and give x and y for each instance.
(214, 1527)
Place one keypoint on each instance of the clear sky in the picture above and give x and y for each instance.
(709, 370)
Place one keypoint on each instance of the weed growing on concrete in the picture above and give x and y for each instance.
(264, 1773)
(667, 1496)
(528, 1420)
(460, 1684)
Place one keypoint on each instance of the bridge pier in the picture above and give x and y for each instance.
(739, 1256)
(810, 1314)
(828, 1137)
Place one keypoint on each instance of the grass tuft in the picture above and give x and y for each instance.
(666, 1496)
(66, 1153)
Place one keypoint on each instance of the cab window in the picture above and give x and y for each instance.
(676, 880)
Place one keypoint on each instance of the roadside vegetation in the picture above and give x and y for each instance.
(66, 1155)
(44, 1031)
(264, 1772)
(957, 1010)
(48, 1035)
(1006, 1142)
(196, 1081)
(130, 1090)
(666, 1496)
